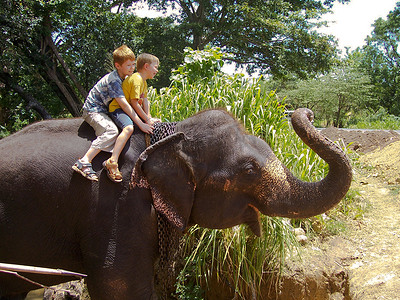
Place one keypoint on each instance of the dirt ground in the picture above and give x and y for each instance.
(363, 262)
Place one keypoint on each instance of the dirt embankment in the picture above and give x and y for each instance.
(362, 141)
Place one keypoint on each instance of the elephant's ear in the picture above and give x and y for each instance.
(163, 169)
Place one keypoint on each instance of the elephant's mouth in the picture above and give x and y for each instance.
(255, 223)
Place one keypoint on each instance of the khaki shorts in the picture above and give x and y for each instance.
(105, 128)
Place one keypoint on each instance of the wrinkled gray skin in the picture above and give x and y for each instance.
(210, 173)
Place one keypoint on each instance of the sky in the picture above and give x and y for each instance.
(352, 23)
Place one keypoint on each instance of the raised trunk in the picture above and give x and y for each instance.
(305, 199)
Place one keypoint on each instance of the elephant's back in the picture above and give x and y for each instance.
(41, 155)
(38, 188)
(44, 139)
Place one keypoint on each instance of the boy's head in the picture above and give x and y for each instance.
(145, 58)
(122, 54)
(124, 61)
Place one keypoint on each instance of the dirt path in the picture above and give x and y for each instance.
(375, 274)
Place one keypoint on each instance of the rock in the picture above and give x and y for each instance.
(302, 239)
(299, 231)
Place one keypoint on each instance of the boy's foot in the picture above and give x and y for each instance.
(112, 170)
(86, 170)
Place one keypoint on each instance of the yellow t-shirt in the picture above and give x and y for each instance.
(134, 87)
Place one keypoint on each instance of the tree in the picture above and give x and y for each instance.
(340, 93)
(55, 51)
(276, 36)
(33, 52)
(161, 37)
(382, 60)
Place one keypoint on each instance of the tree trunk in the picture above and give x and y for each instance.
(67, 96)
(62, 86)
(53, 47)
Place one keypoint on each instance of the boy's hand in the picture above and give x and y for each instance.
(151, 121)
(146, 128)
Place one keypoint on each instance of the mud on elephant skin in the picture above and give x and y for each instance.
(209, 172)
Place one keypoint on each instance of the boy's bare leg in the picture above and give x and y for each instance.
(112, 163)
(89, 155)
(121, 141)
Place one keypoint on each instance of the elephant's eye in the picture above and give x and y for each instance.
(250, 169)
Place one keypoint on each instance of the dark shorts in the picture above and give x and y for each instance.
(120, 118)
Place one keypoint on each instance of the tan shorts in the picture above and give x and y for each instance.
(105, 128)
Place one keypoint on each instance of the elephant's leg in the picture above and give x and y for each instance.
(119, 285)
(128, 274)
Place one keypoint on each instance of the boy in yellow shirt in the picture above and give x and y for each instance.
(135, 91)
(135, 86)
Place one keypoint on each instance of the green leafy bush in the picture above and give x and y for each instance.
(379, 119)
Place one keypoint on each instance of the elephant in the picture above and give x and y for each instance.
(208, 171)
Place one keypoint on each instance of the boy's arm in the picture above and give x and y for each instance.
(141, 111)
(146, 128)
(146, 108)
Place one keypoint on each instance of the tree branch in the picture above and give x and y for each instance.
(53, 47)
(30, 101)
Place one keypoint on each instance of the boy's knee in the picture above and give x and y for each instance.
(129, 129)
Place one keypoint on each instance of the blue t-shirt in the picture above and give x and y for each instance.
(106, 89)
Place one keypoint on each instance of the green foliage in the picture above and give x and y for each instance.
(301, 161)
(161, 37)
(334, 97)
(236, 256)
(379, 119)
(365, 80)
(87, 57)
(276, 37)
(199, 64)
(84, 34)
(381, 60)
(187, 287)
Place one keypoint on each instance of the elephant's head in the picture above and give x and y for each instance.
(212, 173)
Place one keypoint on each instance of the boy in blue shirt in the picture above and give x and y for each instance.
(95, 112)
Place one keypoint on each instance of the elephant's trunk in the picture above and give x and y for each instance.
(305, 199)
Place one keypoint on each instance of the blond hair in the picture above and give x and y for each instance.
(145, 58)
(122, 54)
